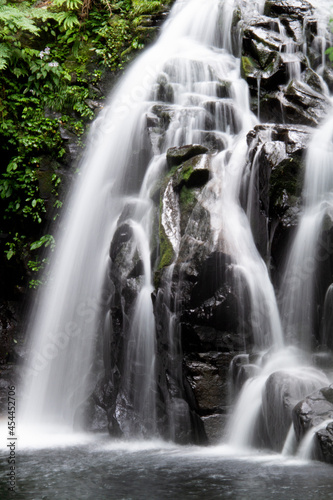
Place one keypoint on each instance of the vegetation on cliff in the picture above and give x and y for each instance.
(53, 55)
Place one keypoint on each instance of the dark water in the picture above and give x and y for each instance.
(101, 469)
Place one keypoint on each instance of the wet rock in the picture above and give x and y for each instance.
(192, 173)
(235, 366)
(272, 75)
(293, 8)
(213, 140)
(124, 420)
(311, 412)
(204, 338)
(9, 376)
(178, 155)
(186, 426)
(281, 393)
(298, 104)
(226, 117)
(91, 417)
(276, 160)
(163, 90)
(324, 444)
(223, 89)
(328, 77)
(163, 113)
(123, 235)
(312, 79)
(206, 384)
(246, 372)
(327, 320)
(214, 427)
(218, 311)
(207, 375)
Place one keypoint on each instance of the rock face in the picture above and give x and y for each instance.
(313, 411)
(281, 392)
(276, 166)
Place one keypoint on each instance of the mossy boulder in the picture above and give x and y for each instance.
(286, 184)
(178, 155)
(249, 67)
(178, 197)
(192, 173)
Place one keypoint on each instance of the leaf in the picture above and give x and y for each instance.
(10, 254)
(17, 19)
(5, 55)
(67, 19)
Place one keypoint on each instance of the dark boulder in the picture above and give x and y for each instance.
(298, 104)
(178, 155)
(293, 8)
(281, 393)
(315, 411)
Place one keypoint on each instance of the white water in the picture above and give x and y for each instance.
(65, 325)
(192, 56)
(303, 380)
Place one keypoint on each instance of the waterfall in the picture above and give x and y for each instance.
(186, 89)
(189, 60)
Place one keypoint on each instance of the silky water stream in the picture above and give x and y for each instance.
(194, 53)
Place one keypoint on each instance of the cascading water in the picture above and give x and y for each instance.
(66, 322)
(193, 74)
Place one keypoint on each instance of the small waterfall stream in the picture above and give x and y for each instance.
(186, 89)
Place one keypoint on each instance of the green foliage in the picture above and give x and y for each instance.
(166, 250)
(329, 51)
(45, 52)
(128, 29)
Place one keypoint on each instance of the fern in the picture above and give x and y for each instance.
(5, 55)
(67, 19)
(142, 7)
(17, 19)
(67, 4)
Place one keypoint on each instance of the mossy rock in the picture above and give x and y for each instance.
(191, 174)
(166, 249)
(264, 55)
(286, 181)
(178, 155)
(187, 202)
(249, 67)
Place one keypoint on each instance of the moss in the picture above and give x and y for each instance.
(187, 198)
(249, 67)
(187, 171)
(166, 250)
(286, 179)
(190, 175)
(187, 201)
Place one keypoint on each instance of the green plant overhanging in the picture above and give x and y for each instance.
(45, 53)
